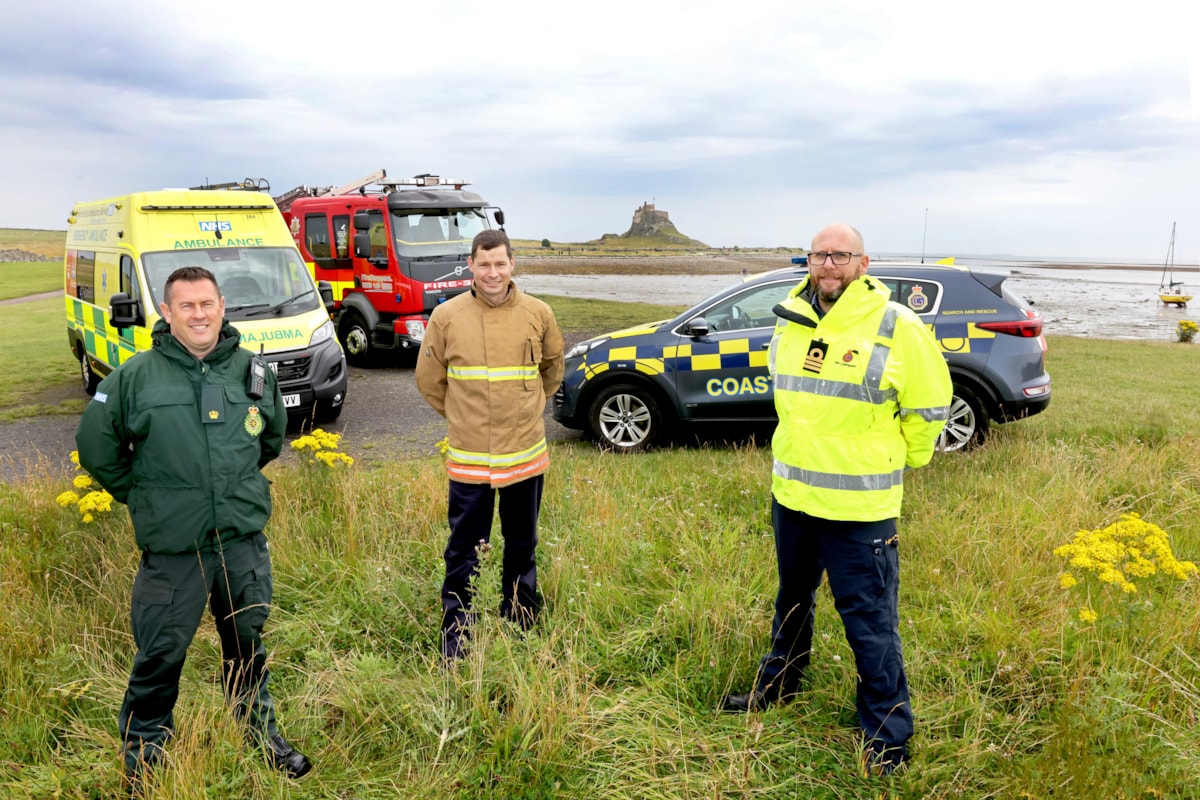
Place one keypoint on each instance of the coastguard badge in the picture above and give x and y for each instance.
(917, 300)
(254, 421)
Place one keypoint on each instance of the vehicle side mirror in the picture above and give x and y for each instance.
(362, 241)
(500, 218)
(326, 291)
(362, 221)
(697, 327)
(125, 311)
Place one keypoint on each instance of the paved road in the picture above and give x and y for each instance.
(384, 418)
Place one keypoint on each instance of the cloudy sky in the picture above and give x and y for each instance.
(1037, 129)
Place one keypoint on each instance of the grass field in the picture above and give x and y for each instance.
(31, 277)
(45, 243)
(658, 573)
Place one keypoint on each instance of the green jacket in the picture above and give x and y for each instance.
(861, 394)
(179, 441)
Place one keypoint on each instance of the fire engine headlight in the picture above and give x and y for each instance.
(322, 333)
(416, 329)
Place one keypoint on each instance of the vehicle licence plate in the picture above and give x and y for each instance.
(291, 401)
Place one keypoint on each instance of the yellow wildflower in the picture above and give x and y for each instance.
(1130, 548)
(67, 499)
(1088, 615)
(82, 481)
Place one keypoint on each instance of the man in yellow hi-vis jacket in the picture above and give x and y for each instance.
(490, 359)
(862, 393)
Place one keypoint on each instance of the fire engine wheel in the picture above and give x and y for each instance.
(90, 379)
(625, 418)
(967, 424)
(356, 338)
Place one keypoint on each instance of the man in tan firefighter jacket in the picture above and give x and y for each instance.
(862, 393)
(490, 359)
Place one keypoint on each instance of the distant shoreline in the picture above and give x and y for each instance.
(754, 264)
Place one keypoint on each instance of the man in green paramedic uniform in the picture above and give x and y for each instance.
(176, 435)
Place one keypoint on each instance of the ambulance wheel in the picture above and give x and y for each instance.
(967, 424)
(356, 338)
(625, 418)
(90, 379)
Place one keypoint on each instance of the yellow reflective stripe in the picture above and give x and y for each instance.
(522, 373)
(497, 459)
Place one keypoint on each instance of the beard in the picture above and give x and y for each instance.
(831, 297)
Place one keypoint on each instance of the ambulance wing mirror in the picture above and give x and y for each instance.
(326, 291)
(125, 311)
(697, 327)
(499, 214)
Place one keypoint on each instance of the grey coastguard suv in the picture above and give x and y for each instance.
(709, 364)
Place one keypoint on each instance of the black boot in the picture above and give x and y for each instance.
(285, 758)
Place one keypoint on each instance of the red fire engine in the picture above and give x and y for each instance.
(391, 248)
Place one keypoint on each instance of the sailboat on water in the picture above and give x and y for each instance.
(1171, 291)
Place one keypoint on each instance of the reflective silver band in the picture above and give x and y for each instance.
(927, 414)
(833, 480)
(824, 387)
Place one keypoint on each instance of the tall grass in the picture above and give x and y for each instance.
(658, 572)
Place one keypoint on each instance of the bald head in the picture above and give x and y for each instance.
(841, 232)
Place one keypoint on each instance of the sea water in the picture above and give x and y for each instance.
(1111, 301)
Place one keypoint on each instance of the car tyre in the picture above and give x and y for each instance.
(966, 425)
(355, 337)
(89, 378)
(625, 418)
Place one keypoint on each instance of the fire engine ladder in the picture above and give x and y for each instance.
(362, 183)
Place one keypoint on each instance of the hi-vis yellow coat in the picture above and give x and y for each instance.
(488, 370)
(861, 394)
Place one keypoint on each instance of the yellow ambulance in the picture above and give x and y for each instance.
(120, 251)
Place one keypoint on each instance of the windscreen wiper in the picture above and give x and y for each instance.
(275, 309)
(244, 306)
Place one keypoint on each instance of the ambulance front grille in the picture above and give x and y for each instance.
(293, 369)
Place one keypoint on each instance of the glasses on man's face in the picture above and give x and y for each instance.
(839, 259)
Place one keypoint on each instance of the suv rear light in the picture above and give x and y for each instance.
(1030, 328)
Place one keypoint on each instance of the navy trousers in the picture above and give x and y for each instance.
(471, 508)
(863, 565)
(169, 596)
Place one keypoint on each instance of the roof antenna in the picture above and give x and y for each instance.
(923, 235)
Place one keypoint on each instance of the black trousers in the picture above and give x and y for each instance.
(862, 562)
(169, 596)
(470, 512)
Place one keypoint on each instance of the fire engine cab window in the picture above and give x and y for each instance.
(341, 233)
(316, 227)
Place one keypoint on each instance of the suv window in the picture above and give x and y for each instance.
(921, 296)
(749, 309)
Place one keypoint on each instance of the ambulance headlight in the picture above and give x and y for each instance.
(583, 348)
(322, 333)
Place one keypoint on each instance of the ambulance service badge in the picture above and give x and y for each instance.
(254, 421)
